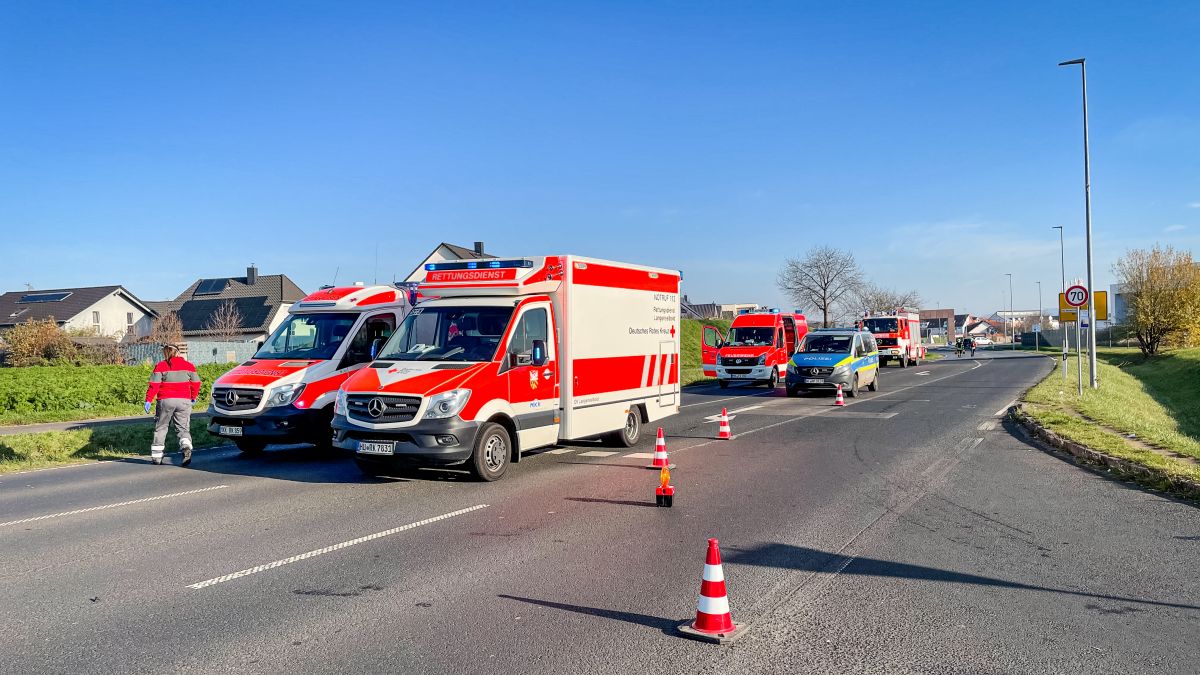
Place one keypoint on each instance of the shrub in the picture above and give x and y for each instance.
(38, 343)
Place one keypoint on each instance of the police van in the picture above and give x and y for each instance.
(832, 356)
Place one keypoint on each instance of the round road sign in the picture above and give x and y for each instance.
(1077, 296)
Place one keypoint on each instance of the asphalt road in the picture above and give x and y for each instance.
(910, 531)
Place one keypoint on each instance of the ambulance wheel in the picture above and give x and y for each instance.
(628, 435)
(723, 383)
(250, 446)
(903, 361)
(853, 393)
(493, 449)
(874, 386)
(773, 381)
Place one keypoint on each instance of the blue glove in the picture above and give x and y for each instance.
(147, 407)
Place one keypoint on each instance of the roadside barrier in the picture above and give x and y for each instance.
(660, 453)
(713, 622)
(839, 400)
(724, 432)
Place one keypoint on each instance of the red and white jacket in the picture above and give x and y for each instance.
(175, 378)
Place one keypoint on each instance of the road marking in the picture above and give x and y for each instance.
(854, 414)
(596, 453)
(112, 506)
(329, 549)
(987, 426)
(639, 455)
(727, 398)
(923, 372)
(731, 413)
(560, 451)
(1002, 411)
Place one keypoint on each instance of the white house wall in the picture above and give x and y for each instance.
(112, 311)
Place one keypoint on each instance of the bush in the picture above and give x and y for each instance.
(38, 343)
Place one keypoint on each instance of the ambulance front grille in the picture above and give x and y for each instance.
(234, 400)
(382, 409)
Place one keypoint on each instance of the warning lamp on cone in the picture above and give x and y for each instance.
(664, 494)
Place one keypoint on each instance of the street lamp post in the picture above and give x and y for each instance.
(1010, 310)
(1087, 201)
(1062, 252)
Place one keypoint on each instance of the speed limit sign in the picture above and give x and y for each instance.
(1076, 296)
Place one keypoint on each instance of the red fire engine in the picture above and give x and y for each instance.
(898, 335)
(758, 348)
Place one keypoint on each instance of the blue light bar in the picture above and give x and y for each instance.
(474, 264)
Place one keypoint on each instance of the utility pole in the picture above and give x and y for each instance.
(1087, 201)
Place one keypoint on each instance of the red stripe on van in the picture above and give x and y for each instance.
(595, 274)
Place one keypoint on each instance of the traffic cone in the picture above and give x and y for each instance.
(660, 453)
(839, 400)
(713, 620)
(664, 494)
(724, 432)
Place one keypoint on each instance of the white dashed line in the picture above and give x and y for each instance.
(987, 426)
(596, 453)
(560, 451)
(112, 506)
(639, 455)
(329, 549)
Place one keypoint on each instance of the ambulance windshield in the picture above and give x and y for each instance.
(448, 334)
(881, 325)
(752, 337)
(308, 336)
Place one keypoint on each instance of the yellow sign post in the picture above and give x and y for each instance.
(1068, 313)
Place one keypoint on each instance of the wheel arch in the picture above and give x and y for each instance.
(511, 427)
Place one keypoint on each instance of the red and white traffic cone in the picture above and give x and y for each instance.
(723, 431)
(660, 453)
(713, 620)
(839, 400)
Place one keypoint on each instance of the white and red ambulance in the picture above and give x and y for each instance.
(285, 394)
(759, 346)
(516, 354)
(898, 335)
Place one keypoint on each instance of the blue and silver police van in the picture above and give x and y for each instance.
(832, 356)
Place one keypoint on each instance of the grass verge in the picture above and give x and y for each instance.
(1157, 401)
(21, 452)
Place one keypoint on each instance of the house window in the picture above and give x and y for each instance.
(96, 322)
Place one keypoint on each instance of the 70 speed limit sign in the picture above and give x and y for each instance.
(1076, 296)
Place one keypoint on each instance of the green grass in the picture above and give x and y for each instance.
(690, 337)
(934, 356)
(21, 452)
(1156, 399)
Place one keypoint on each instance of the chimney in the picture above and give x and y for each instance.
(251, 275)
(479, 248)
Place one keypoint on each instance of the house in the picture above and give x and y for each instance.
(103, 311)
(692, 310)
(261, 300)
(443, 252)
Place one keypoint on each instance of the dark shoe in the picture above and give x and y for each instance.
(187, 457)
(156, 460)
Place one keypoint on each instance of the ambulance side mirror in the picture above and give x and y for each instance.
(376, 345)
(538, 355)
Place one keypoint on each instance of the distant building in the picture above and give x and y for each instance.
(1118, 303)
(443, 252)
(262, 302)
(939, 322)
(104, 311)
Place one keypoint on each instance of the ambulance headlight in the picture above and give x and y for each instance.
(339, 403)
(447, 404)
(284, 394)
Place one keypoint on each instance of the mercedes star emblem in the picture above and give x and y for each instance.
(814, 371)
(231, 397)
(376, 407)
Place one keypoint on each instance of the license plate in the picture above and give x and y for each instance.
(813, 380)
(742, 377)
(229, 431)
(369, 448)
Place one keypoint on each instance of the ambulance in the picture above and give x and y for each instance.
(509, 355)
(286, 392)
(759, 346)
(898, 335)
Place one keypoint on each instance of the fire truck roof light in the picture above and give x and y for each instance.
(474, 264)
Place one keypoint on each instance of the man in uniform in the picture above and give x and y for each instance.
(175, 385)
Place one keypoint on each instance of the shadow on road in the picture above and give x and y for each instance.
(786, 556)
(597, 500)
(664, 624)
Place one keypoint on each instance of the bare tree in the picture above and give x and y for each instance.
(1162, 290)
(868, 297)
(824, 278)
(226, 322)
(167, 329)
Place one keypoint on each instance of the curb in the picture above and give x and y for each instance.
(1101, 462)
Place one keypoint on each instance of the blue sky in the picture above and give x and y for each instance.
(152, 143)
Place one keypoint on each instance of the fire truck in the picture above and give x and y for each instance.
(759, 346)
(508, 355)
(898, 335)
(286, 392)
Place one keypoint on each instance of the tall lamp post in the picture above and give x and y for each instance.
(1087, 201)
(1010, 310)
(1062, 252)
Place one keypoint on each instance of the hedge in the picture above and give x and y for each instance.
(80, 388)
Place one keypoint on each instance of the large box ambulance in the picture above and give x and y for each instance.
(511, 355)
(285, 394)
